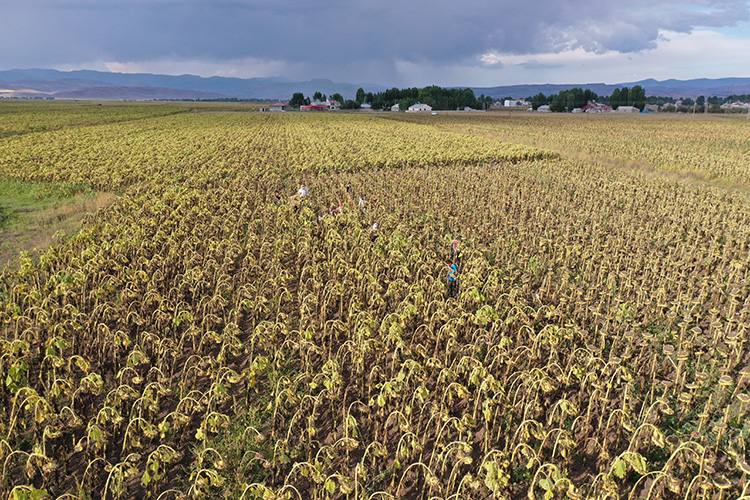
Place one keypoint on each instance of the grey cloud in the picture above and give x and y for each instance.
(340, 32)
(536, 65)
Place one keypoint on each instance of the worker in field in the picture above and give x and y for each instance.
(336, 209)
(452, 278)
(374, 232)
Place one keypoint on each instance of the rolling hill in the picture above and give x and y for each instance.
(100, 85)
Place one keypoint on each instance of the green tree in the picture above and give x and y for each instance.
(484, 102)
(337, 97)
(570, 101)
(576, 98)
(466, 97)
(538, 100)
(317, 96)
(360, 95)
(637, 97)
(558, 102)
(377, 101)
(614, 101)
(297, 100)
(624, 93)
(392, 96)
(404, 103)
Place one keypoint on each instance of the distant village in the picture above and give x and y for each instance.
(333, 105)
(678, 106)
(595, 107)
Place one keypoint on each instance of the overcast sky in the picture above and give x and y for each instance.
(389, 42)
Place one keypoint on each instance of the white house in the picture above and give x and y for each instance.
(279, 106)
(543, 108)
(419, 108)
(736, 105)
(395, 107)
(334, 105)
(627, 109)
(516, 103)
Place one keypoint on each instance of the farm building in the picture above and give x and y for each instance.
(544, 108)
(395, 107)
(627, 109)
(334, 105)
(735, 105)
(314, 107)
(279, 106)
(595, 107)
(419, 108)
(516, 103)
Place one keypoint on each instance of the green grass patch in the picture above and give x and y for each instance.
(19, 200)
(31, 213)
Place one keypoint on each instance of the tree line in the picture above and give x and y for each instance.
(438, 98)
(568, 100)
(698, 105)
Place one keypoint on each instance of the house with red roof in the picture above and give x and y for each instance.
(595, 107)
(279, 106)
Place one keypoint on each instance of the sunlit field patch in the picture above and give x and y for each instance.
(713, 149)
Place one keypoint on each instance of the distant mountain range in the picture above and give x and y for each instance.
(100, 85)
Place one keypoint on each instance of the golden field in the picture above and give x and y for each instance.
(201, 338)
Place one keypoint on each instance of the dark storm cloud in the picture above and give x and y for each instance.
(46, 32)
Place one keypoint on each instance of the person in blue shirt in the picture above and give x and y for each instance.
(452, 279)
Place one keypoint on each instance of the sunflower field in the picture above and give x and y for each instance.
(264, 313)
